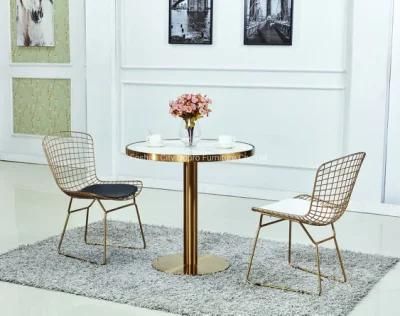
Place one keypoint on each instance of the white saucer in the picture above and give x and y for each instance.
(227, 146)
(155, 145)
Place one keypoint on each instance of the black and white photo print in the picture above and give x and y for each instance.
(35, 23)
(268, 22)
(190, 21)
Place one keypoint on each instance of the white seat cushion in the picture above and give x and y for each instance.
(297, 207)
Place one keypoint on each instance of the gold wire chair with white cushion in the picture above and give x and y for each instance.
(71, 158)
(333, 186)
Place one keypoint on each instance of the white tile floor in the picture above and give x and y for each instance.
(32, 208)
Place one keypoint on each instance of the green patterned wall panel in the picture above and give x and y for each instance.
(60, 53)
(41, 106)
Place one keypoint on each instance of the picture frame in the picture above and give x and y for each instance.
(34, 23)
(190, 22)
(268, 22)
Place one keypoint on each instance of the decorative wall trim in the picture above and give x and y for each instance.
(41, 65)
(54, 72)
(259, 163)
(23, 158)
(231, 86)
(28, 136)
(232, 69)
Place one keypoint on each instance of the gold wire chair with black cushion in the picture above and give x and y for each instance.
(71, 158)
(333, 186)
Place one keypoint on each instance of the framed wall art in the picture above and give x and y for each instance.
(35, 23)
(268, 22)
(190, 21)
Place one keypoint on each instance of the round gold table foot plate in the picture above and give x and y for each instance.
(206, 264)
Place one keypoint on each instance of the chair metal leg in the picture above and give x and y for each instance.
(87, 221)
(105, 233)
(140, 223)
(319, 270)
(318, 259)
(339, 255)
(104, 244)
(268, 285)
(65, 226)
(254, 248)
(290, 244)
(63, 235)
(120, 246)
(337, 251)
(105, 239)
(86, 226)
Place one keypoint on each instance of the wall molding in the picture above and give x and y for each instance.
(23, 158)
(231, 86)
(28, 136)
(41, 65)
(233, 69)
(260, 163)
(42, 73)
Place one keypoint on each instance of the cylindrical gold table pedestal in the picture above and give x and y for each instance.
(190, 263)
(190, 218)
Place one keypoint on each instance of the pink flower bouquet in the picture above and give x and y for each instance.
(190, 107)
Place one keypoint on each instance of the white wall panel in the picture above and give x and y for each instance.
(368, 90)
(393, 154)
(280, 78)
(102, 81)
(319, 27)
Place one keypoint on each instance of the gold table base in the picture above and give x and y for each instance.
(206, 264)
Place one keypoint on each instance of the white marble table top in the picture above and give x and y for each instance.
(173, 150)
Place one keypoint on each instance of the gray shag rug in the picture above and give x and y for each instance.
(130, 279)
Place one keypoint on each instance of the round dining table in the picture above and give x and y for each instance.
(174, 150)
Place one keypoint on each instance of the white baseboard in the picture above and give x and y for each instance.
(34, 159)
(384, 209)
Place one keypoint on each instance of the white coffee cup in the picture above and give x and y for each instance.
(226, 141)
(155, 140)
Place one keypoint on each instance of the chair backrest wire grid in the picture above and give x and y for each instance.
(334, 184)
(71, 159)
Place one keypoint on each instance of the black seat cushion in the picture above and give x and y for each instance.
(112, 191)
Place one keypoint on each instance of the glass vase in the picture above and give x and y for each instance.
(190, 134)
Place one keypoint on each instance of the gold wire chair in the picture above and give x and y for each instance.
(333, 186)
(71, 158)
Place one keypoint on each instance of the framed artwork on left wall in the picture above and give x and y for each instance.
(35, 23)
(190, 21)
(268, 22)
